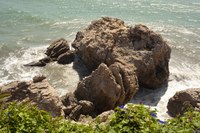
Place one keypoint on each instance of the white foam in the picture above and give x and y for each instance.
(182, 76)
(14, 64)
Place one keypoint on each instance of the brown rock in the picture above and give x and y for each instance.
(75, 113)
(109, 40)
(66, 57)
(69, 99)
(57, 48)
(184, 100)
(36, 63)
(40, 93)
(87, 107)
(103, 117)
(69, 109)
(45, 60)
(38, 78)
(102, 89)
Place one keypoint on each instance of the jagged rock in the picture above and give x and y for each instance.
(103, 117)
(102, 89)
(69, 109)
(57, 48)
(58, 51)
(75, 113)
(38, 78)
(36, 63)
(109, 40)
(66, 57)
(183, 100)
(69, 99)
(40, 93)
(42, 62)
(87, 107)
(70, 102)
(45, 60)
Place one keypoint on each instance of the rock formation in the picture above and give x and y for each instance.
(75, 108)
(120, 59)
(108, 87)
(58, 51)
(109, 40)
(184, 100)
(38, 91)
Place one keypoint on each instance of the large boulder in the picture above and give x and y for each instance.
(38, 91)
(107, 87)
(109, 40)
(184, 100)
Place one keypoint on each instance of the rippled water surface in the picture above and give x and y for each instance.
(28, 27)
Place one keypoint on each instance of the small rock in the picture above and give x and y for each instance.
(87, 107)
(57, 48)
(66, 58)
(36, 63)
(45, 60)
(69, 99)
(103, 117)
(38, 78)
(75, 113)
(183, 100)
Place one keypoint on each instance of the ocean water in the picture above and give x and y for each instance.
(28, 27)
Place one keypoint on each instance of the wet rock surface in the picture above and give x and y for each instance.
(184, 100)
(58, 51)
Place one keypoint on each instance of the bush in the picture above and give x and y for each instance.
(23, 118)
(20, 118)
(132, 119)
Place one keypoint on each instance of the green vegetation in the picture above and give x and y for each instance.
(24, 118)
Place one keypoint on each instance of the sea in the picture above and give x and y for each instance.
(28, 27)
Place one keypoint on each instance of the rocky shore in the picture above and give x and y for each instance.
(120, 58)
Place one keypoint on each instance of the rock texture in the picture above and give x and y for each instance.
(183, 100)
(39, 92)
(58, 51)
(109, 40)
(74, 108)
(107, 87)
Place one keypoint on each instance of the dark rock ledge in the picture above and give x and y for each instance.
(120, 58)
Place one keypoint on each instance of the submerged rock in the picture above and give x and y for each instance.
(109, 40)
(184, 100)
(39, 92)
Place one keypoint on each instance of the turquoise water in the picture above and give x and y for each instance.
(28, 27)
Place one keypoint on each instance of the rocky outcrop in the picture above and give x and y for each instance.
(108, 87)
(109, 40)
(38, 91)
(58, 51)
(184, 100)
(119, 57)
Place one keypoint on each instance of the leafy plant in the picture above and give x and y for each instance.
(133, 119)
(26, 118)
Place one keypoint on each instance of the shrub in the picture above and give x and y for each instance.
(132, 119)
(20, 118)
(23, 118)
